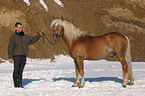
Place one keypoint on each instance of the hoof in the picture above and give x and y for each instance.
(131, 84)
(81, 86)
(75, 85)
(124, 86)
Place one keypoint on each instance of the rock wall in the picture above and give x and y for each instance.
(95, 17)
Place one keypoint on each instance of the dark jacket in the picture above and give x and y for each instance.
(18, 44)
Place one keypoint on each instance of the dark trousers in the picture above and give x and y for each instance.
(19, 64)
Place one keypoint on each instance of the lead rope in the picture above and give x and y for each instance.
(44, 37)
(57, 37)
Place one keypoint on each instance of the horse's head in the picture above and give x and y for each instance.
(57, 31)
(65, 29)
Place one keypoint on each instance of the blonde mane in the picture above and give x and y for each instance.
(70, 31)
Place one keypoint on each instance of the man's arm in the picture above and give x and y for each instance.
(35, 38)
(11, 49)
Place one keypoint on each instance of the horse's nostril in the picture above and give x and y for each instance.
(56, 36)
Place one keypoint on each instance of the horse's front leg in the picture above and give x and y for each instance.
(82, 78)
(81, 71)
(77, 75)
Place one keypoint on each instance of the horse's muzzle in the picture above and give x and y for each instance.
(56, 36)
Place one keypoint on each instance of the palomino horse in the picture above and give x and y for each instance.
(84, 47)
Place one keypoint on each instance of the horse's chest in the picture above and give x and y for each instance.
(78, 51)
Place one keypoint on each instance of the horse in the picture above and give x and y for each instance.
(82, 46)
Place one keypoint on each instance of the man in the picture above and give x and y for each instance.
(18, 50)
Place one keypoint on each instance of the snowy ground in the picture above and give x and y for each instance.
(45, 78)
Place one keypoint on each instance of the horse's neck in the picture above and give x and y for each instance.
(67, 42)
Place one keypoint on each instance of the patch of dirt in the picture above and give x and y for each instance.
(91, 16)
(0, 61)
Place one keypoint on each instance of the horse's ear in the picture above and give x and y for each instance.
(62, 18)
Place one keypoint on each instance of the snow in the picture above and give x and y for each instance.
(44, 5)
(42, 77)
(59, 3)
(27, 2)
(2, 59)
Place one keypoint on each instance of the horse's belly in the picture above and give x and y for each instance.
(95, 55)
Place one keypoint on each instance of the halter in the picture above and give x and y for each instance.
(56, 37)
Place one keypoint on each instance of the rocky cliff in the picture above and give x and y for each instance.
(95, 17)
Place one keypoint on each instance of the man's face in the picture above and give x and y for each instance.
(19, 28)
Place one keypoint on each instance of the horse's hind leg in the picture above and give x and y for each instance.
(77, 74)
(125, 71)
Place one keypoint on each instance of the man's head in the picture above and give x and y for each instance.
(18, 27)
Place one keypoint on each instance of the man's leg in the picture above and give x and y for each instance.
(16, 70)
(23, 62)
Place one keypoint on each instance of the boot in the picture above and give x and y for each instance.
(15, 80)
(20, 85)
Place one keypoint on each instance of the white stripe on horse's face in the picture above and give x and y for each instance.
(55, 26)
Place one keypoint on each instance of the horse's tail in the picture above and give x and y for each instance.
(128, 60)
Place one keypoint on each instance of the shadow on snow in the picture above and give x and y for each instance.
(99, 79)
(27, 81)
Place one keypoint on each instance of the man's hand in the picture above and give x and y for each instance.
(41, 33)
(11, 60)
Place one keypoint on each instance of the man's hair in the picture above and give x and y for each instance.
(18, 23)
